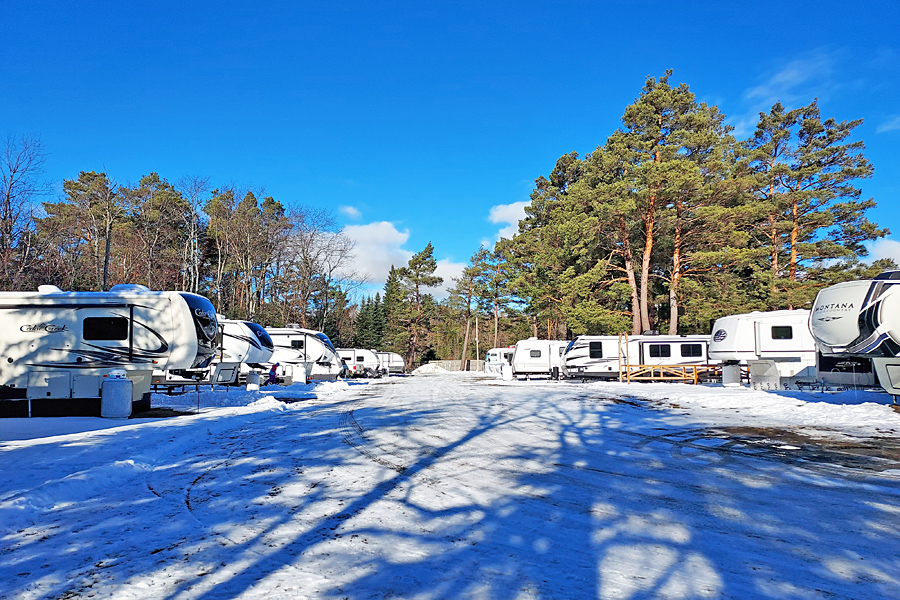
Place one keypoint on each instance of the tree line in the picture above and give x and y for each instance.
(668, 225)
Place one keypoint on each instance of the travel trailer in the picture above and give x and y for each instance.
(391, 363)
(496, 358)
(780, 352)
(241, 347)
(606, 356)
(58, 346)
(303, 354)
(862, 319)
(541, 358)
(361, 362)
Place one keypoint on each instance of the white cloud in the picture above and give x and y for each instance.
(884, 248)
(350, 212)
(508, 215)
(448, 270)
(794, 83)
(378, 246)
(892, 125)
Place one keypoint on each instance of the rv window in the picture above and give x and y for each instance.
(562, 350)
(105, 328)
(782, 332)
(660, 351)
(535, 354)
(692, 350)
(595, 350)
(296, 344)
(360, 359)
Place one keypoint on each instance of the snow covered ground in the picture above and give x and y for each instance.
(459, 486)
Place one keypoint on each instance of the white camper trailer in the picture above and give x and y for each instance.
(862, 319)
(534, 357)
(57, 346)
(776, 346)
(391, 362)
(780, 352)
(606, 356)
(496, 358)
(241, 347)
(303, 354)
(361, 362)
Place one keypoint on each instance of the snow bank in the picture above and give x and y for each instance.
(430, 369)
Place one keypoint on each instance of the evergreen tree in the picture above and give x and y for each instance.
(416, 276)
(810, 222)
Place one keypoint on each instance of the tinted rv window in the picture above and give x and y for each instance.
(595, 350)
(105, 328)
(782, 332)
(296, 344)
(360, 359)
(535, 354)
(691, 350)
(660, 351)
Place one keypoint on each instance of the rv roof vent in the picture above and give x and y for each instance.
(888, 275)
(129, 287)
(48, 289)
(651, 332)
(293, 325)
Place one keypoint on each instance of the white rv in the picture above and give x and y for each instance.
(780, 352)
(862, 319)
(303, 354)
(241, 347)
(496, 358)
(534, 357)
(606, 356)
(58, 346)
(361, 362)
(391, 362)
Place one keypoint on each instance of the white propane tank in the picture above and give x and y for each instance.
(115, 395)
(252, 381)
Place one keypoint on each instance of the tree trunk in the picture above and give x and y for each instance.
(496, 323)
(676, 272)
(645, 271)
(632, 280)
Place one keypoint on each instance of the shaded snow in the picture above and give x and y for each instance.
(453, 486)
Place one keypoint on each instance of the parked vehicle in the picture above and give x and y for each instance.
(361, 362)
(58, 346)
(303, 354)
(496, 358)
(780, 352)
(606, 356)
(391, 362)
(538, 358)
(241, 346)
(862, 319)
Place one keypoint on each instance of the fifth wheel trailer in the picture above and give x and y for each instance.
(241, 346)
(57, 347)
(303, 354)
(862, 319)
(780, 352)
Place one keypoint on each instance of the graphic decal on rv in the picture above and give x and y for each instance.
(245, 338)
(720, 335)
(43, 328)
(109, 356)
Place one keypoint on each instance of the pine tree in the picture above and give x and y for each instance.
(416, 277)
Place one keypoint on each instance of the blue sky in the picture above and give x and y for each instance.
(421, 121)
